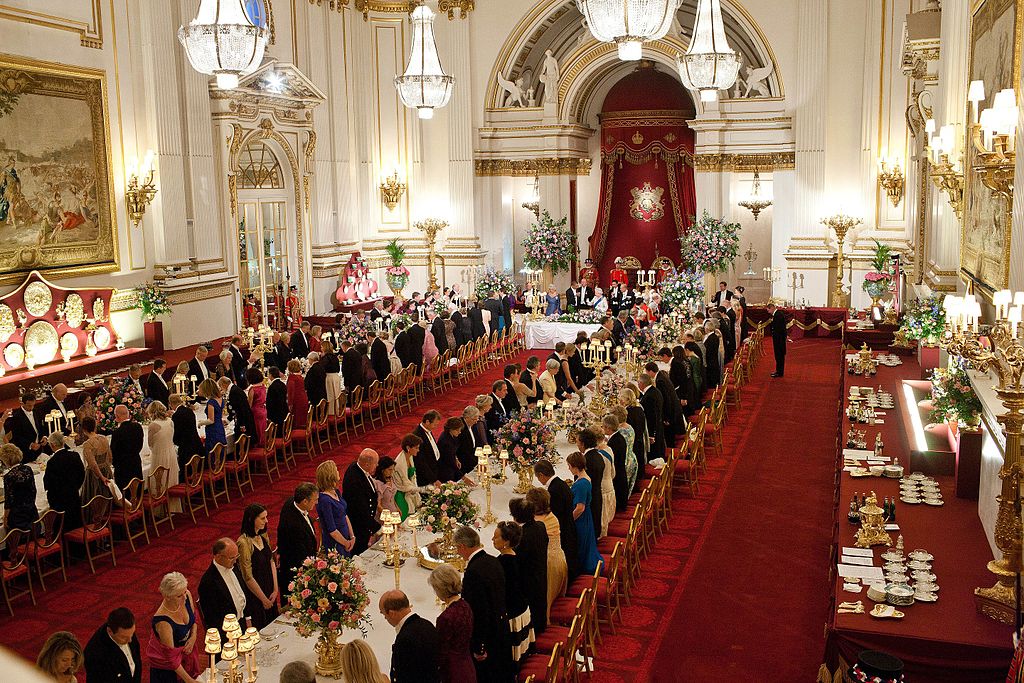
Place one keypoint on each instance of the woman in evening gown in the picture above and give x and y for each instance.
(558, 569)
(454, 627)
(586, 541)
(256, 567)
(172, 651)
(258, 402)
(98, 468)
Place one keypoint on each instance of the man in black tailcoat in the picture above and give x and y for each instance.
(360, 493)
(296, 537)
(777, 327)
(483, 587)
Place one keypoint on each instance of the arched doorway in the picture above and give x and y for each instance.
(266, 230)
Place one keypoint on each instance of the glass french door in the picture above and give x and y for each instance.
(263, 253)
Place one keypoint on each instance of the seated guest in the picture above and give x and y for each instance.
(54, 403)
(547, 381)
(20, 490)
(112, 654)
(428, 457)
(407, 491)
(586, 538)
(415, 651)
(532, 552)
(469, 440)
(556, 570)
(298, 672)
(298, 403)
(61, 657)
(25, 430)
(449, 467)
(454, 627)
(483, 587)
(332, 510)
(277, 398)
(505, 539)
(155, 384)
(361, 496)
(172, 651)
(560, 497)
(359, 664)
(383, 480)
(63, 479)
(220, 591)
(256, 566)
(296, 539)
(186, 433)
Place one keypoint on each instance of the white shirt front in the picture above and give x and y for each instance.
(202, 369)
(234, 587)
(127, 653)
(399, 625)
(31, 420)
(433, 445)
(305, 516)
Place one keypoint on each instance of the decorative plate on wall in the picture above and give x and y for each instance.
(42, 342)
(74, 310)
(69, 342)
(7, 327)
(38, 299)
(98, 309)
(102, 337)
(14, 354)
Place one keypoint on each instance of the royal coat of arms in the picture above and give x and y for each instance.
(647, 204)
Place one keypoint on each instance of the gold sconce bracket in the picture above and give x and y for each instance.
(392, 189)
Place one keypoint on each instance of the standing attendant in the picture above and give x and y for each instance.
(112, 654)
(582, 494)
(332, 510)
(220, 591)
(63, 480)
(361, 495)
(777, 327)
(256, 566)
(454, 627)
(416, 648)
(296, 538)
(483, 587)
(126, 448)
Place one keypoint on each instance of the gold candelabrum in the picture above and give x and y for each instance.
(483, 455)
(891, 178)
(140, 188)
(755, 203)
(993, 134)
(394, 553)
(533, 279)
(430, 228)
(645, 278)
(56, 422)
(629, 359)
(841, 224)
(184, 385)
(259, 341)
(238, 645)
(391, 190)
(999, 351)
(750, 256)
(796, 281)
(597, 355)
(946, 161)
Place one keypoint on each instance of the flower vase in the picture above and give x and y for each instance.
(525, 473)
(397, 283)
(328, 654)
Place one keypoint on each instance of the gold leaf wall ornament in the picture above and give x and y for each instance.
(38, 298)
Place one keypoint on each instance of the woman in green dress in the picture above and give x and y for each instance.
(407, 494)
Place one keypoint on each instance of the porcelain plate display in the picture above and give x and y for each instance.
(42, 342)
(101, 337)
(14, 354)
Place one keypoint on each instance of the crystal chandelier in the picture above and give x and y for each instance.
(628, 23)
(755, 203)
(424, 85)
(710, 64)
(223, 41)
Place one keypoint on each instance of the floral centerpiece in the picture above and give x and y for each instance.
(528, 438)
(396, 275)
(953, 398)
(580, 317)
(549, 244)
(405, 318)
(644, 341)
(446, 507)
(494, 281)
(354, 331)
(668, 331)
(152, 301)
(612, 383)
(683, 291)
(879, 281)
(124, 393)
(328, 594)
(576, 417)
(711, 244)
(925, 320)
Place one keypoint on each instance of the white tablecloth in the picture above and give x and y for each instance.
(544, 335)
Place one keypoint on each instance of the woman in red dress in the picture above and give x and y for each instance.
(298, 402)
(454, 627)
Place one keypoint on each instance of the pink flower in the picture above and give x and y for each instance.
(315, 618)
(321, 564)
(306, 593)
(333, 625)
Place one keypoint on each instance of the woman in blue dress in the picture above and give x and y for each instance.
(332, 510)
(172, 652)
(586, 540)
(214, 421)
(553, 301)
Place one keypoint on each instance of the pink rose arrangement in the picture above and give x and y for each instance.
(711, 244)
(527, 438)
(447, 506)
(328, 593)
(124, 394)
(550, 244)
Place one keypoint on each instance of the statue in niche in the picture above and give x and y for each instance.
(549, 77)
(514, 90)
(753, 79)
(531, 99)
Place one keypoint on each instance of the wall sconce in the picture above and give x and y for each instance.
(890, 177)
(533, 203)
(755, 203)
(140, 188)
(946, 175)
(392, 189)
(993, 134)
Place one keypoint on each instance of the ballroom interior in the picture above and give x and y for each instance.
(177, 172)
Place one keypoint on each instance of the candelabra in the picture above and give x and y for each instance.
(430, 228)
(392, 189)
(946, 163)
(1001, 351)
(629, 359)
(755, 203)
(500, 477)
(994, 133)
(645, 278)
(597, 355)
(533, 203)
(890, 177)
(238, 643)
(750, 255)
(483, 467)
(793, 283)
(841, 224)
(56, 422)
(772, 276)
(394, 554)
(183, 385)
(140, 189)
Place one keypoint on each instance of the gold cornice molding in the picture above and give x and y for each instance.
(449, 7)
(384, 7)
(721, 163)
(90, 34)
(124, 300)
(201, 292)
(532, 167)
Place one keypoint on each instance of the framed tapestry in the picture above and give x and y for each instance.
(987, 221)
(56, 191)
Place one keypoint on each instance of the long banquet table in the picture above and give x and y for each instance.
(544, 334)
(942, 641)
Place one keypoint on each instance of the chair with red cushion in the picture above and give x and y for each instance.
(354, 412)
(238, 466)
(266, 455)
(432, 375)
(15, 566)
(156, 498)
(374, 403)
(215, 478)
(47, 534)
(337, 420)
(543, 667)
(130, 511)
(191, 488)
(449, 372)
(390, 400)
(323, 429)
(302, 440)
(572, 641)
(95, 529)
(285, 442)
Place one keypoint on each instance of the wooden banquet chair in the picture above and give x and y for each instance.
(156, 498)
(285, 442)
(215, 478)
(238, 467)
(95, 529)
(16, 566)
(47, 542)
(321, 428)
(192, 487)
(130, 511)
(267, 453)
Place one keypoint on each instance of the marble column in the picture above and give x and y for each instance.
(462, 234)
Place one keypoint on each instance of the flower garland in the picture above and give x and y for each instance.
(124, 394)
(925, 319)
(494, 281)
(527, 438)
(152, 301)
(447, 506)
(328, 593)
(683, 291)
(580, 317)
(711, 244)
(953, 398)
(549, 244)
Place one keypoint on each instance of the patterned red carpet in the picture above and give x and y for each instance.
(719, 598)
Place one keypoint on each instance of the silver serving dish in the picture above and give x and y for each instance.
(920, 565)
(899, 595)
(924, 577)
(927, 587)
(921, 555)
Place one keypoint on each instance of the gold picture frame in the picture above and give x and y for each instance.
(57, 210)
(985, 232)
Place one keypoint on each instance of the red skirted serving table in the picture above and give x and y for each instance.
(942, 641)
(806, 322)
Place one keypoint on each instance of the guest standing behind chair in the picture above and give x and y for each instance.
(257, 395)
(98, 472)
(582, 492)
(407, 491)
(220, 591)
(359, 664)
(256, 566)
(298, 403)
(126, 448)
(483, 587)
(155, 384)
(561, 507)
(61, 657)
(238, 402)
(556, 570)
(316, 381)
(505, 539)
(112, 654)
(296, 538)
(586, 442)
(651, 402)
(449, 468)
(332, 371)
(171, 651)
(553, 302)
(428, 457)
(532, 551)
(777, 328)
(63, 481)
(161, 441)
(332, 510)
(210, 394)
(20, 490)
(468, 442)
(454, 627)
(277, 398)
(24, 430)
(384, 482)
(186, 434)
(416, 648)
(380, 359)
(361, 496)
